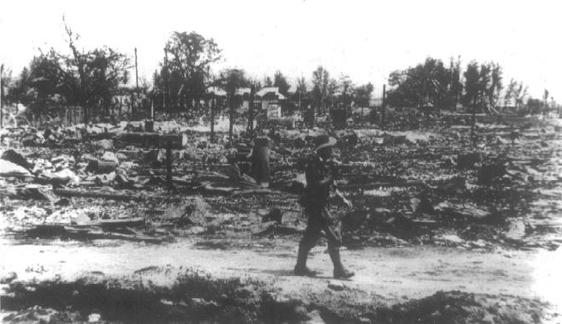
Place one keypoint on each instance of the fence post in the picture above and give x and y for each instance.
(169, 163)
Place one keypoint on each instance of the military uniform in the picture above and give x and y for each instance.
(320, 187)
(316, 202)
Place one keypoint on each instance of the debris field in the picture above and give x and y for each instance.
(110, 223)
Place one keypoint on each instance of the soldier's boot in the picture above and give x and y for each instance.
(340, 272)
(301, 269)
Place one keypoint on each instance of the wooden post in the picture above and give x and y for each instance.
(361, 112)
(231, 118)
(132, 108)
(472, 129)
(166, 83)
(136, 70)
(250, 128)
(213, 107)
(169, 163)
(383, 113)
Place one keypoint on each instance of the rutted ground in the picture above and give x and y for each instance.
(517, 281)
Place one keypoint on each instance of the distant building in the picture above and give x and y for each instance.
(269, 96)
(502, 103)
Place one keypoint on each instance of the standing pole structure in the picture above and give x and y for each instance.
(1, 97)
(169, 164)
(163, 93)
(213, 107)
(166, 77)
(136, 70)
(137, 86)
(383, 113)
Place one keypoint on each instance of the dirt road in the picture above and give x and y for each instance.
(393, 274)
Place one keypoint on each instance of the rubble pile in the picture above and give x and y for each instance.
(435, 185)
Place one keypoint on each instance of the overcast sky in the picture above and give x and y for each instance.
(363, 39)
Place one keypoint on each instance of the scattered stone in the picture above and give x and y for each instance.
(192, 211)
(478, 244)
(94, 317)
(120, 156)
(10, 169)
(516, 230)
(105, 179)
(105, 144)
(315, 318)
(15, 157)
(421, 205)
(61, 177)
(450, 239)
(87, 157)
(9, 277)
(110, 157)
(80, 219)
(336, 285)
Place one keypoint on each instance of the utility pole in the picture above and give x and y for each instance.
(136, 70)
(383, 113)
(473, 127)
(250, 127)
(163, 93)
(213, 107)
(167, 81)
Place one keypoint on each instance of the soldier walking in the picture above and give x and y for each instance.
(320, 187)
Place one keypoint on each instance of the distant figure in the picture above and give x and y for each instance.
(319, 189)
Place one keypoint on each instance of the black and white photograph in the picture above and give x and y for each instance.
(298, 161)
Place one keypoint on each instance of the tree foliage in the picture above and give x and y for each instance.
(267, 82)
(186, 73)
(302, 87)
(517, 92)
(483, 84)
(280, 81)
(301, 95)
(427, 84)
(230, 81)
(331, 91)
(320, 82)
(363, 94)
(472, 85)
(85, 78)
(436, 85)
(347, 90)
